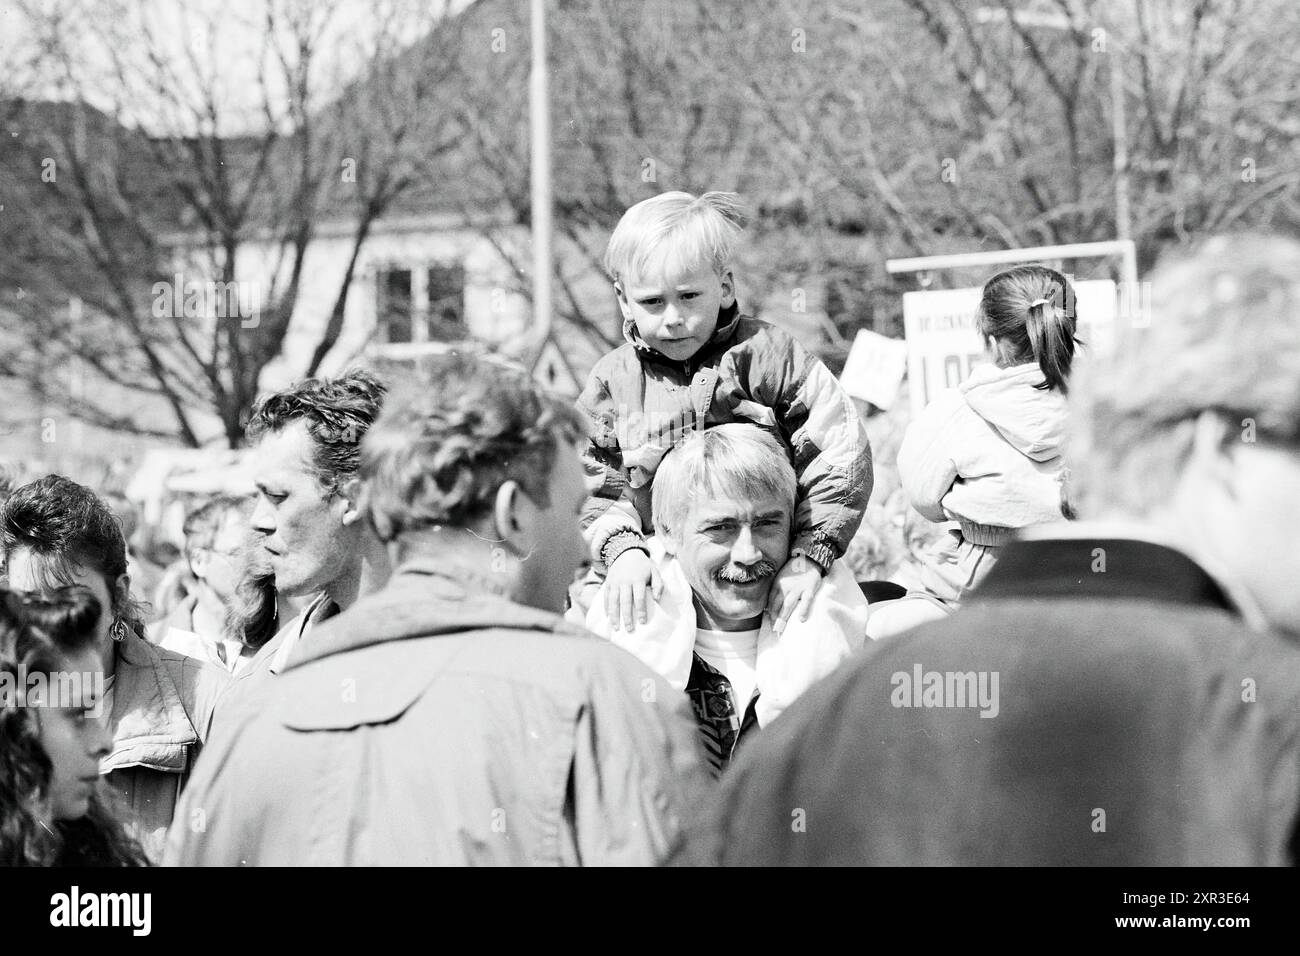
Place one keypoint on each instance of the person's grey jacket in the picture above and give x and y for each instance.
(162, 706)
(427, 725)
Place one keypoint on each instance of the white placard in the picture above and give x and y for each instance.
(874, 368)
(943, 344)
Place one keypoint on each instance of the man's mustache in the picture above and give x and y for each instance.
(746, 575)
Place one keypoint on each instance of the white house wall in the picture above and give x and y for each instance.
(494, 311)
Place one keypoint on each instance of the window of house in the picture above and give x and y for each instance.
(394, 309)
(446, 297)
(421, 304)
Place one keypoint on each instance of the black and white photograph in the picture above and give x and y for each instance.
(653, 433)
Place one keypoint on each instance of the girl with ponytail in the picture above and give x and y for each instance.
(1027, 317)
(985, 458)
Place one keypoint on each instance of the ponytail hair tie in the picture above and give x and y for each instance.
(1038, 302)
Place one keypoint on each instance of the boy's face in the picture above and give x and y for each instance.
(675, 314)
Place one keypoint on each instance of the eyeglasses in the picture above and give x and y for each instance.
(229, 554)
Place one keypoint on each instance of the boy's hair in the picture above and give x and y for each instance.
(736, 459)
(1031, 311)
(691, 229)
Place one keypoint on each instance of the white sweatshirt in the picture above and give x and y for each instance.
(988, 454)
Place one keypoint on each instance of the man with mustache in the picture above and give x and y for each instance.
(723, 508)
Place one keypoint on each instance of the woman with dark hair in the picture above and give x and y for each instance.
(52, 737)
(257, 610)
(54, 533)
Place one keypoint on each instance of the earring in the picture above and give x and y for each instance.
(118, 630)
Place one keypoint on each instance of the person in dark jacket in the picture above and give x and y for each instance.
(453, 717)
(1123, 692)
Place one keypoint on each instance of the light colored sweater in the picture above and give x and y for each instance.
(987, 454)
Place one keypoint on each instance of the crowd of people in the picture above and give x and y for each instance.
(457, 620)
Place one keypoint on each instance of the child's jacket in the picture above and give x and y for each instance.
(639, 404)
(988, 454)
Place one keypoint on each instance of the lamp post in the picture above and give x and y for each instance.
(540, 177)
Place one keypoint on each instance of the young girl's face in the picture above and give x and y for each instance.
(675, 314)
(73, 734)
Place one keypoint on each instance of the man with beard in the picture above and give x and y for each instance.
(723, 508)
(214, 538)
(307, 518)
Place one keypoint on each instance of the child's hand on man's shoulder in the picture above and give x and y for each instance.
(793, 590)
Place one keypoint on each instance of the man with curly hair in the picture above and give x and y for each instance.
(307, 518)
(453, 717)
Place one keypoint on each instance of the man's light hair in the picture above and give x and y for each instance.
(1224, 338)
(735, 460)
(689, 231)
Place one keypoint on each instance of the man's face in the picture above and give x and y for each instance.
(217, 566)
(557, 548)
(675, 314)
(300, 524)
(730, 550)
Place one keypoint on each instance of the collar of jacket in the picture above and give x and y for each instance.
(149, 724)
(1100, 566)
(424, 599)
(282, 646)
(728, 322)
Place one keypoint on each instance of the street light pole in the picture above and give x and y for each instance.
(1119, 134)
(540, 177)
